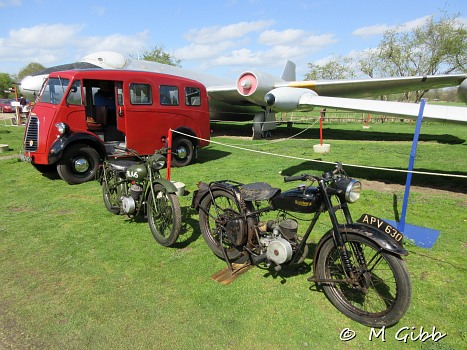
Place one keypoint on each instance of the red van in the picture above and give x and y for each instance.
(81, 114)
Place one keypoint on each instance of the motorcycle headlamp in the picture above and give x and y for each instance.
(351, 188)
(62, 128)
(157, 161)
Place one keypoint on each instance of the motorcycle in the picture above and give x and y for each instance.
(132, 185)
(358, 264)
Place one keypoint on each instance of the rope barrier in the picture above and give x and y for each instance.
(322, 161)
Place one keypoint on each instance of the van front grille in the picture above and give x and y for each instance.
(31, 140)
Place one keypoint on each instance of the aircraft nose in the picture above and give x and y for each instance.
(30, 85)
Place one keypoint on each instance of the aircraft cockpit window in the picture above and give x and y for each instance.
(54, 90)
(168, 95)
(192, 96)
(74, 96)
(140, 94)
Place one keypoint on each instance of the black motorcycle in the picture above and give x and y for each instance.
(358, 264)
(132, 185)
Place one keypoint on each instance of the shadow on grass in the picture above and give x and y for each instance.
(437, 182)
(189, 224)
(336, 133)
(208, 154)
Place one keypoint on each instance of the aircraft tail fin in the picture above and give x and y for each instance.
(289, 74)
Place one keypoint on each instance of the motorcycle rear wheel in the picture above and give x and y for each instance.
(164, 216)
(381, 293)
(212, 220)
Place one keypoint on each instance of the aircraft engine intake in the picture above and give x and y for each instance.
(286, 99)
(253, 86)
(462, 91)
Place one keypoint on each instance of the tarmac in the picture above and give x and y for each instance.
(7, 118)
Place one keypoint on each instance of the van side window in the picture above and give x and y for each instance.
(74, 96)
(168, 95)
(192, 96)
(140, 94)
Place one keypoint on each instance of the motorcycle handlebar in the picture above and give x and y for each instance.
(326, 176)
(302, 177)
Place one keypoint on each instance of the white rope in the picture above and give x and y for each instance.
(322, 161)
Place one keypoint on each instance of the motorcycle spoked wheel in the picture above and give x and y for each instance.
(381, 293)
(212, 222)
(164, 216)
(110, 194)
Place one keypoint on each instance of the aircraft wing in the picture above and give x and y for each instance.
(381, 86)
(334, 88)
(286, 96)
(398, 109)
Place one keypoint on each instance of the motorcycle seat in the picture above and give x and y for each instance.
(258, 191)
(121, 164)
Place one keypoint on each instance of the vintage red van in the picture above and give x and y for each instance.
(81, 114)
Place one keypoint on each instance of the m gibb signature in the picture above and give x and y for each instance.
(404, 334)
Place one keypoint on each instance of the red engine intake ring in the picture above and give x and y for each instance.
(247, 84)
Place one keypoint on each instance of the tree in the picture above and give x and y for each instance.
(438, 46)
(31, 68)
(157, 54)
(6, 82)
(339, 68)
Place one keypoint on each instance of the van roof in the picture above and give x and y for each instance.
(119, 74)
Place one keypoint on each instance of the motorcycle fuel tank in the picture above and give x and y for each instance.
(136, 172)
(298, 200)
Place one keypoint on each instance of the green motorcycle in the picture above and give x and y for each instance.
(132, 185)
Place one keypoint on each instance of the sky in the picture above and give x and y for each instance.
(220, 37)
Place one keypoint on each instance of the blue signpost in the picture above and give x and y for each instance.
(422, 236)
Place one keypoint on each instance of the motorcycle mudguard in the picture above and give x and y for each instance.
(204, 190)
(378, 237)
(169, 186)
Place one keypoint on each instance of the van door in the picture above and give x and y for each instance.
(143, 119)
(121, 125)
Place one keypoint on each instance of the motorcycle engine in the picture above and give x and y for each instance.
(128, 204)
(279, 250)
(277, 243)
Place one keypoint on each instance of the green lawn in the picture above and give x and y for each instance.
(74, 276)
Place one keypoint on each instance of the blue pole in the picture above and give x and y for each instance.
(401, 226)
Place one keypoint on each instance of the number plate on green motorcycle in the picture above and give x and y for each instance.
(382, 226)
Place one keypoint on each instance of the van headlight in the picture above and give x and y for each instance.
(62, 128)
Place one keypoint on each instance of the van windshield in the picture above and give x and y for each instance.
(54, 90)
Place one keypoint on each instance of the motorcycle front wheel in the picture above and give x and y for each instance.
(379, 293)
(110, 194)
(164, 216)
(217, 210)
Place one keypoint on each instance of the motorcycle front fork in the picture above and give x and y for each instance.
(338, 238)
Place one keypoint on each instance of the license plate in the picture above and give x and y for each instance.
(382, 226)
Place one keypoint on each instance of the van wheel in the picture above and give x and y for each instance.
(78, 164)
(182, 152)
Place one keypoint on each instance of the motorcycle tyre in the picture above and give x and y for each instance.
(233, 253)
(401, 276)
(106, 194)
(176, 213)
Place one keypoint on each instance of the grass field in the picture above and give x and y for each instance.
(74, 276)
